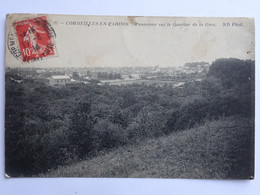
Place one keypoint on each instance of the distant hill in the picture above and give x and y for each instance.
(217, 149)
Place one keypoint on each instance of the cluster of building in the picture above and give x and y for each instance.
(63, 76)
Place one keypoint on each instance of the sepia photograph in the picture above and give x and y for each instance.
(129, 97)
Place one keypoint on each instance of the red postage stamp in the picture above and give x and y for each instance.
(35, 38)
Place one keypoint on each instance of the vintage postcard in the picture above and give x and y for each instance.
(138, 97)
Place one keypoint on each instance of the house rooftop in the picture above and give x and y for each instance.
(60, 77)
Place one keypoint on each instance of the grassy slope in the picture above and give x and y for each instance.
(218, 149)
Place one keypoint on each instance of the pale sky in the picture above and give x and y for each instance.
(134, 45)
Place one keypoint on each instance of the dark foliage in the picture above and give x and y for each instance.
(47, 127)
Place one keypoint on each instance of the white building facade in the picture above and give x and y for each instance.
(59, 80)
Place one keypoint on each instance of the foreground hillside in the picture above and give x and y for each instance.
(217, 149)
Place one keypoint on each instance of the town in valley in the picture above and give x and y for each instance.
(154, 75)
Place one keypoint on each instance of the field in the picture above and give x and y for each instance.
(217, 149)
